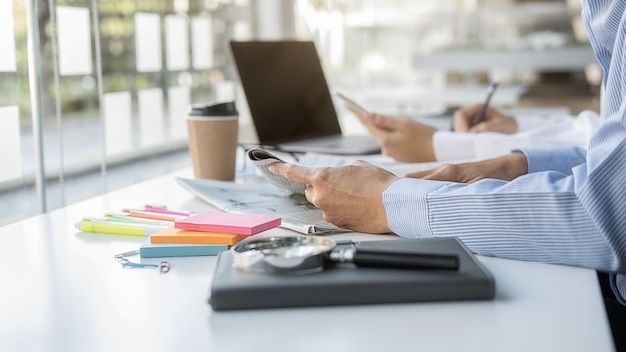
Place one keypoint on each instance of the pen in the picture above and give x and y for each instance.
(125, 218)
(479, 115)
(109, 227)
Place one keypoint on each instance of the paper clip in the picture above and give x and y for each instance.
(163, 266)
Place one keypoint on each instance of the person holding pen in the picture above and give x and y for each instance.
(562, 205)
(481, 112)
(494, 134)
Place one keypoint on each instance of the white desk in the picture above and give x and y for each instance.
(65, 292)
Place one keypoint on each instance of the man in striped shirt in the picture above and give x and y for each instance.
(555, 205)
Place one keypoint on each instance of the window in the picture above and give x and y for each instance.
(115, 79)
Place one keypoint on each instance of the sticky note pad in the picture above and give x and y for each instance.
(240, 224)
(153, 250)
(174, 235)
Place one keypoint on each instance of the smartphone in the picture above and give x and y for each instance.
(351, 101)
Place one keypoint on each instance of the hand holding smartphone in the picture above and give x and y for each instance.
(351, 101)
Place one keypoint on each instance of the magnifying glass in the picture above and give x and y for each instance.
(308, 254)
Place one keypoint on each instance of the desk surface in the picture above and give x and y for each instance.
(63, 291)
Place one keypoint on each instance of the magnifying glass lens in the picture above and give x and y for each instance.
(296, 250)
(294, 254)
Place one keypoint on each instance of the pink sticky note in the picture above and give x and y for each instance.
(238, 224)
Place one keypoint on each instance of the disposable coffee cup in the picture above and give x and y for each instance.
(213, 131)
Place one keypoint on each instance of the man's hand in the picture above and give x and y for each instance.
(350, 196)
(506, 167)
(401, 138)
(492, 121)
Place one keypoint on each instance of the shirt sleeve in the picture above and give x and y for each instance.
(586, 121)
(559, 132)
(572, 217)
(529, 122)
(562, 160)
(571, 207)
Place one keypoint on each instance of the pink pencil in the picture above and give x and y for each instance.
(163, 210)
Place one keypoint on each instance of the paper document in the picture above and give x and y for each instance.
(262, 159)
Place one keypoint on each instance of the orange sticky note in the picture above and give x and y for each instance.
(173, 235)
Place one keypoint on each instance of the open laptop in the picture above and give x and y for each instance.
(289, 100)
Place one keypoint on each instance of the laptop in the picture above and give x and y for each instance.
(289, 99)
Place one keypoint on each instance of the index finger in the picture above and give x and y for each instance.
(293, 172)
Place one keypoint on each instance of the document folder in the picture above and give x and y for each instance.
(345, 284)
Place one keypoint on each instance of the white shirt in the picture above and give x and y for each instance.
(560, 130)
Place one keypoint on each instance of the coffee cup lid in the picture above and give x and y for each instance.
(219, 109)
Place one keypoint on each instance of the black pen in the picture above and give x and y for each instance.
(479, 115)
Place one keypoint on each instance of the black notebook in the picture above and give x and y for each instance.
(346, 284)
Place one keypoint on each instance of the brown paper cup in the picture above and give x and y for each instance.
(213, 146)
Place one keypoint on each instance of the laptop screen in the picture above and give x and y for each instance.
(286, 90)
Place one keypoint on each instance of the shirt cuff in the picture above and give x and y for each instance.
(406, 205)
(561, 159)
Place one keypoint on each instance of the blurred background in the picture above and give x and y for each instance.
(93, 94)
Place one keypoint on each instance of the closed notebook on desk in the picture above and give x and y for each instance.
(345, 284)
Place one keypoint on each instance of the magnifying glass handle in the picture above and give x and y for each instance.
(373, 258)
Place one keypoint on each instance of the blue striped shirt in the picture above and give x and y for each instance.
(571, 206)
